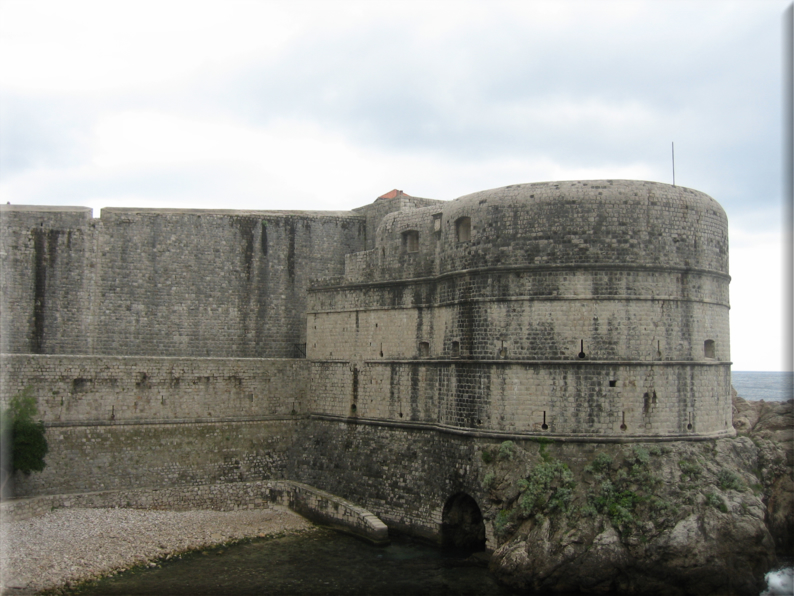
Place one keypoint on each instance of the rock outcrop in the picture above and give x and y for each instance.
(771, 427)
(680, 518)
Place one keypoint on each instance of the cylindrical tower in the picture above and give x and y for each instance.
(573, 309)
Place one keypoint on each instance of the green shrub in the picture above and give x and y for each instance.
(619, 515)
(487, 456)
(729, 480)
(661, 506)
(549, 485)
(544, 454)
(561, 499)
(501, 522)
(641, 455)
(617, 504)
(506, 450)
(22, 436)
(601, 464)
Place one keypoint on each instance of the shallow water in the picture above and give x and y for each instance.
(319, 562)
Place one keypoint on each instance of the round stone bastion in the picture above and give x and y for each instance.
(574, 310)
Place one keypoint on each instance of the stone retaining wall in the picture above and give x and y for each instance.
(160, 455)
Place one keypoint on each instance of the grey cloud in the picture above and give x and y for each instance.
(388, 90)
(480, 93)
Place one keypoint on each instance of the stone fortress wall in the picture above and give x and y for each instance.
(571, 309)
(164, 282)
(166, 347)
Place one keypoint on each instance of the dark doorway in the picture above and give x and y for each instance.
(461, 524)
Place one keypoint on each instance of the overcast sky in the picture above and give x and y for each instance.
(326, 105)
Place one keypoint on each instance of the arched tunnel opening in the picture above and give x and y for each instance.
(462, 526)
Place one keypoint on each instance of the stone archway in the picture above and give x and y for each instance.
(462, 526)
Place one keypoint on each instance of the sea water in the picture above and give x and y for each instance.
(321, 562)
(767, 386)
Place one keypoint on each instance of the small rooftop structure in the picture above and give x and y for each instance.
(393, 194)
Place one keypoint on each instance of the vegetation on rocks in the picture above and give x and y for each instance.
(680, 517)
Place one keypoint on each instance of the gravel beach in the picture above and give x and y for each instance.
(69, 545)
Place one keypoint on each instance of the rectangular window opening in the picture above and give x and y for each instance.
(411, 241)
(463, 229)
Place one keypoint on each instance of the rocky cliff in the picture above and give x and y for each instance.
(681, 518)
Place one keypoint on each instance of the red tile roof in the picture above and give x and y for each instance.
(393, 194)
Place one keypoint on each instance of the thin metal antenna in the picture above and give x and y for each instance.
(674, 163)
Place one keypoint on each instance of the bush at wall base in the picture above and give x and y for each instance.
(22, 441)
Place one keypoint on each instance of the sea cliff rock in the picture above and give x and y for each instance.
(771, 427)
(679, 518)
